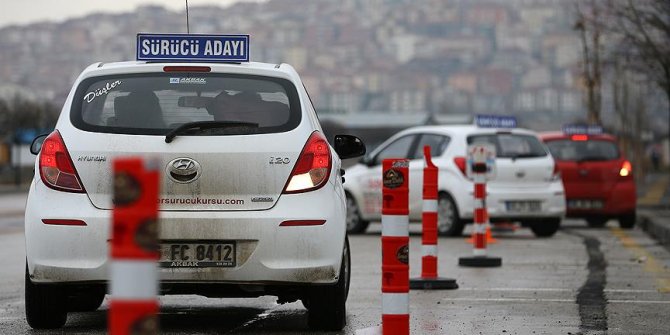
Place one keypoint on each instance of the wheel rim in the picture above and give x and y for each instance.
(352, 214)
(446, 215)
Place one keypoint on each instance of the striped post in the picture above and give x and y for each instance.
(395, 247)
(478, 171)
(134, 249)
(429, 279)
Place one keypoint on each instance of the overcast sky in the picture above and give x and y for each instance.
(29, 11)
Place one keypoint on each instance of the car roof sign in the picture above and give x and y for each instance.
(572, 129)
(192, 48)
(495, 121)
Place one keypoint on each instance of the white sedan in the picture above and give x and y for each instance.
(246, 172)
(526, 188)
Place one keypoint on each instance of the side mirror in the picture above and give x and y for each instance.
(348, 146)
(36, 146)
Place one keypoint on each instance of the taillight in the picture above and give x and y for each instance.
(626, 169)
(556, 174)
(56, 168)
(580, 137)
(460, 163)
(312, 169)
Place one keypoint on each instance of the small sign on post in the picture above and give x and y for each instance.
(480, 168)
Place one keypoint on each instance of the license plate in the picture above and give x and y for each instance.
(198, 255)
(585, 204)
(523, 206)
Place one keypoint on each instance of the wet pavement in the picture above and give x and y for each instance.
(583, 280)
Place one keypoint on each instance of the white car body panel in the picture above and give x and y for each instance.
(66, 254)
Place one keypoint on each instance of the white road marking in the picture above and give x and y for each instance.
(530, 289)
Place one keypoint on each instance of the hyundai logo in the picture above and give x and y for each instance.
(183, 170)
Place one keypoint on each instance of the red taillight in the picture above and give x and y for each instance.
(626, 169)
(556, 174)
(460, 163)
(56, 168)
(187, 69)
(579, 137)
(313, 167)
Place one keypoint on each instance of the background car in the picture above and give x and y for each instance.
(262, 184)
(526, 188)
(598, 180)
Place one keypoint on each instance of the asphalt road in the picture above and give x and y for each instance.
(589, 281)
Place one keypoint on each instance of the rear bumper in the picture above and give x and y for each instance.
(266, 252)
(551, 198)
(621, 200)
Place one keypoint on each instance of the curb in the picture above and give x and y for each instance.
(657, 228)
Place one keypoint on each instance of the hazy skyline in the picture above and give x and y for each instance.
(26, 12)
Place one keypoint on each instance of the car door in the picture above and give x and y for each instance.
(437, 144)
(371, 180)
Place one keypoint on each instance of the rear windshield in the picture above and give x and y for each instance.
(155, 103)
(512, 145)
(592, 150)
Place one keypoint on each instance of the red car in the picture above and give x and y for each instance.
(597, 178)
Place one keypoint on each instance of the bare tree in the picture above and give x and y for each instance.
(590, 29)
(643, 27)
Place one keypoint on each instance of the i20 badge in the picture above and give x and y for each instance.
(183, 170)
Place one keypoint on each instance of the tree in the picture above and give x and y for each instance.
(590, 30)
(643, 27)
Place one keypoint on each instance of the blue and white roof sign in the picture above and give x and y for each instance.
(193, 48)
(571, 129)
(495, 121)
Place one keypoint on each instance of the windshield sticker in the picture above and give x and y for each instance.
(90, 96)
(188, 80)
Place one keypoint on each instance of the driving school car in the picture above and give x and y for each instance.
(526, 187)
(251, 197)
(598, 179)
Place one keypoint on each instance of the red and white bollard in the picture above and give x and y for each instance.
(479, 171)
(429, 279)
(395, 247)
(134, 249)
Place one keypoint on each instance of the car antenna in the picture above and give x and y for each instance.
(188, 30)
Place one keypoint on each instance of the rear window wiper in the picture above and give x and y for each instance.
(202, 125)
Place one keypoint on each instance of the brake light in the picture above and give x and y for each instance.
(579, 137)
(187, 69)
(556, 174)
(626, 169)
(460, 163)
(312, 169)
(56, 168)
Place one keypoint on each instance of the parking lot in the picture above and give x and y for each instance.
(581, 280)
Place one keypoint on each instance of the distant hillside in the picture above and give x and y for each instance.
(355, 56)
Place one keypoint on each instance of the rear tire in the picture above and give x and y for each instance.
(355, 223)
(627, 221)
(327, 304)
(597, 222)
(45, 305)
(545, 227)
(448, 220)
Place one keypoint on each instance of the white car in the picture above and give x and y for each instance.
(244, 166)
(526, 187)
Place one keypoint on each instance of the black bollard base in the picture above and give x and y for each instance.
(480, 261)
(436, 283)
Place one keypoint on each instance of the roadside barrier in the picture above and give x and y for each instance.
(134, 249)
(395, 247)
(429, 279)
(479, 170)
